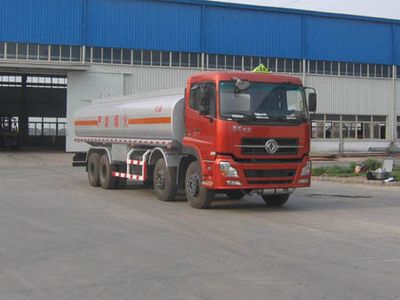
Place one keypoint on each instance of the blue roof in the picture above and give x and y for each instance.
(202, 26)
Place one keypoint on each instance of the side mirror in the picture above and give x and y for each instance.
(312, 102)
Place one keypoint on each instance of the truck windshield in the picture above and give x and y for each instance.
(262, 101)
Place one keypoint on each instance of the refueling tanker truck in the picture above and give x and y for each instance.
(228, 132)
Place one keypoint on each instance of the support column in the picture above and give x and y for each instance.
(394, 106)
(23, 118)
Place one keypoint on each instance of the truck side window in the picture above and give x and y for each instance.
(207, 99)
(202, 98)
(194, 99)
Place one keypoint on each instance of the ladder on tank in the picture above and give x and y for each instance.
(136, 165)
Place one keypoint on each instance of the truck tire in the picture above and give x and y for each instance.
(275, 200)
(93, 163)
(197, 195)
(235, 194)
(107, 181)
(164, 180)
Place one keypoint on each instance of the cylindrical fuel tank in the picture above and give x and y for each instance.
(158, 117)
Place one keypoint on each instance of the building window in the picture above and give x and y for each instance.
(10, 81)
(238, 62)
(312, 67)
(398, 127)
(184, 59)
(327, 68)
(55, 53)
(11, 51)
(211, 61)
(175, 59)
(364, 70)
(76, 53)
(106, 57)
(165, 59)
(335, 68)
(272, 64)
(229, 62)
(126, 56)
(137, 57)
(2, 49)
(22, 51)
(348, 127)
(317, 126)
(332, 127)
(379, 127)
(320, 67)
(9, 123)
(281, 65)
(116, 56)
(146, 55)
(46, 126)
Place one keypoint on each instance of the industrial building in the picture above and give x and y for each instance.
(56, 55)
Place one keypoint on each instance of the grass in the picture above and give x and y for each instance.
(396, 173)
(334, 171)
(348, 171)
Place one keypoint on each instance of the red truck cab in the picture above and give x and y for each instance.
(250, 131)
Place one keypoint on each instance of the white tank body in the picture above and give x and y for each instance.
(156, 118)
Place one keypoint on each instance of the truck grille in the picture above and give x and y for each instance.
(269, 173)
(255, 146)
(270, 181)
(270, 176)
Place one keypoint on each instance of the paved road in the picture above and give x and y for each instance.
(62, 239)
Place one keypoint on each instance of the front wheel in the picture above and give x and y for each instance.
(275, 200)
(197, 195)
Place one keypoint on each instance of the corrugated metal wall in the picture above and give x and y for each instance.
(143, 25)
(201, 26)
(42, 21)
(355, 96)
(397, 93)
(152, 79)
(347, 40)
(246, 32)
(396, 44)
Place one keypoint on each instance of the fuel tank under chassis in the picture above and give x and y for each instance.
(155, 118)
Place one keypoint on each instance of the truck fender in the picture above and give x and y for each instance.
(100, 149)
(172, 158)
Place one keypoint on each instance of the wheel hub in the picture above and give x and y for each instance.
(193, 185)
(159, 181)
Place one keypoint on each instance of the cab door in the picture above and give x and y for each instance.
(201, 117)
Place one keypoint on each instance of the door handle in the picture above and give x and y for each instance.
(197, 129)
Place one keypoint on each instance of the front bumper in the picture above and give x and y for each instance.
(257, 175)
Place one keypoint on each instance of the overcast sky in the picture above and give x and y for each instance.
(375, 8)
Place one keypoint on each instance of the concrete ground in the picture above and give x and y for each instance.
(62, 239)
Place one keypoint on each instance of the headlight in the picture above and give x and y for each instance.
(306, 169)
(227, 170)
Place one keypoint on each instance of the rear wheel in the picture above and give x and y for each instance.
(164, 180)
(197, 195)
(275, 200)
(107, 181)
(235, 194)
(93, 168)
